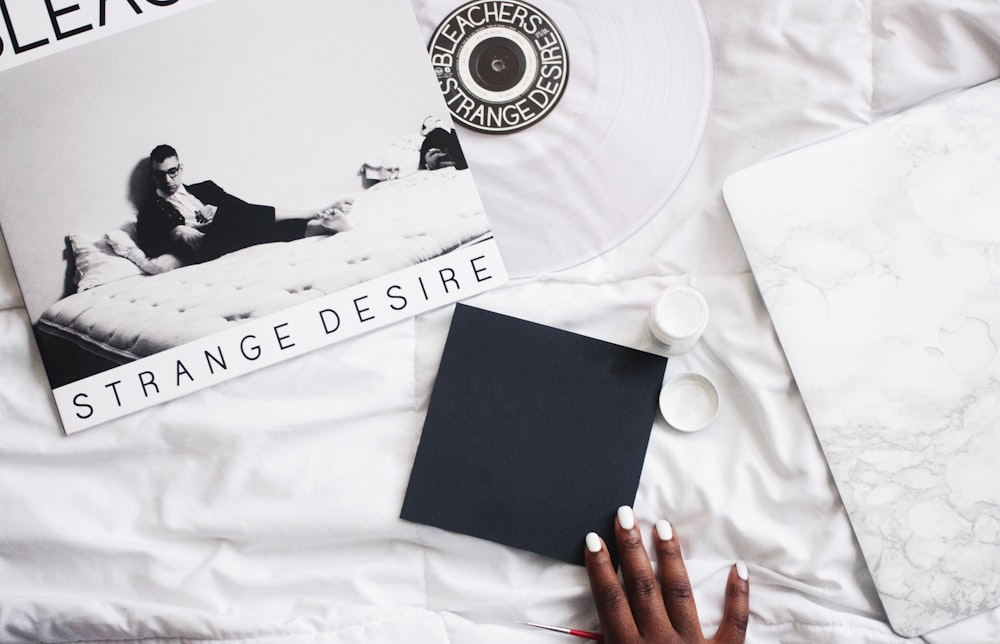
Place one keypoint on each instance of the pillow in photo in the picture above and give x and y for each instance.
(96, 262)
(123, 245)
(396, 160)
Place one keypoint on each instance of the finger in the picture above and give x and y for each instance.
(641, 584)
(609, 598)
(736, 612)
(677, 595)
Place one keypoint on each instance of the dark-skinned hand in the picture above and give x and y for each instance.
(657, 609)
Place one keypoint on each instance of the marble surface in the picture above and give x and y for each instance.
(877, 254)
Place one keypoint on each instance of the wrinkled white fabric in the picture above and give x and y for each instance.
(265, 509)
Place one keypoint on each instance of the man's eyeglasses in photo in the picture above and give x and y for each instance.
(169, 172)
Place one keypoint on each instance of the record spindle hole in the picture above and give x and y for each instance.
(497, 64)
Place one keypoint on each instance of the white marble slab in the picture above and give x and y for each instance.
(878, 256)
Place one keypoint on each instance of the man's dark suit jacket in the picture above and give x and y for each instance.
(237, 224)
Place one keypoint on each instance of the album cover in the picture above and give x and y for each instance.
(200, 193)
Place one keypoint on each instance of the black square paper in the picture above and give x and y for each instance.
(534, 436)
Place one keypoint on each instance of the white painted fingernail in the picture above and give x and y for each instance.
(741, 571)
(593, 542)
(664, 531)
(625, 518)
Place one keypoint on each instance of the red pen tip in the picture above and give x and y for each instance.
(568, 631)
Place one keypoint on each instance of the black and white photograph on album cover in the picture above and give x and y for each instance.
(171, 181)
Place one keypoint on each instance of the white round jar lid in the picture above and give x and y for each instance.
(689, 402)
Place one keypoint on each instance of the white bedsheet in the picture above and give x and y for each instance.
(265, 509)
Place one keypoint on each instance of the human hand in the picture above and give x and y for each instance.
(206, 214)
(643, 614)
(188, 236)
(436, 158)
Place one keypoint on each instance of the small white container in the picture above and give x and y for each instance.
(678, 319)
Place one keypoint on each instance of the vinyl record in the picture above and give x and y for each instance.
(615, 144)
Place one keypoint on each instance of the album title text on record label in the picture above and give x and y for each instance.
(502, 66)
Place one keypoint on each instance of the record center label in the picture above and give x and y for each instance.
(502, 66)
